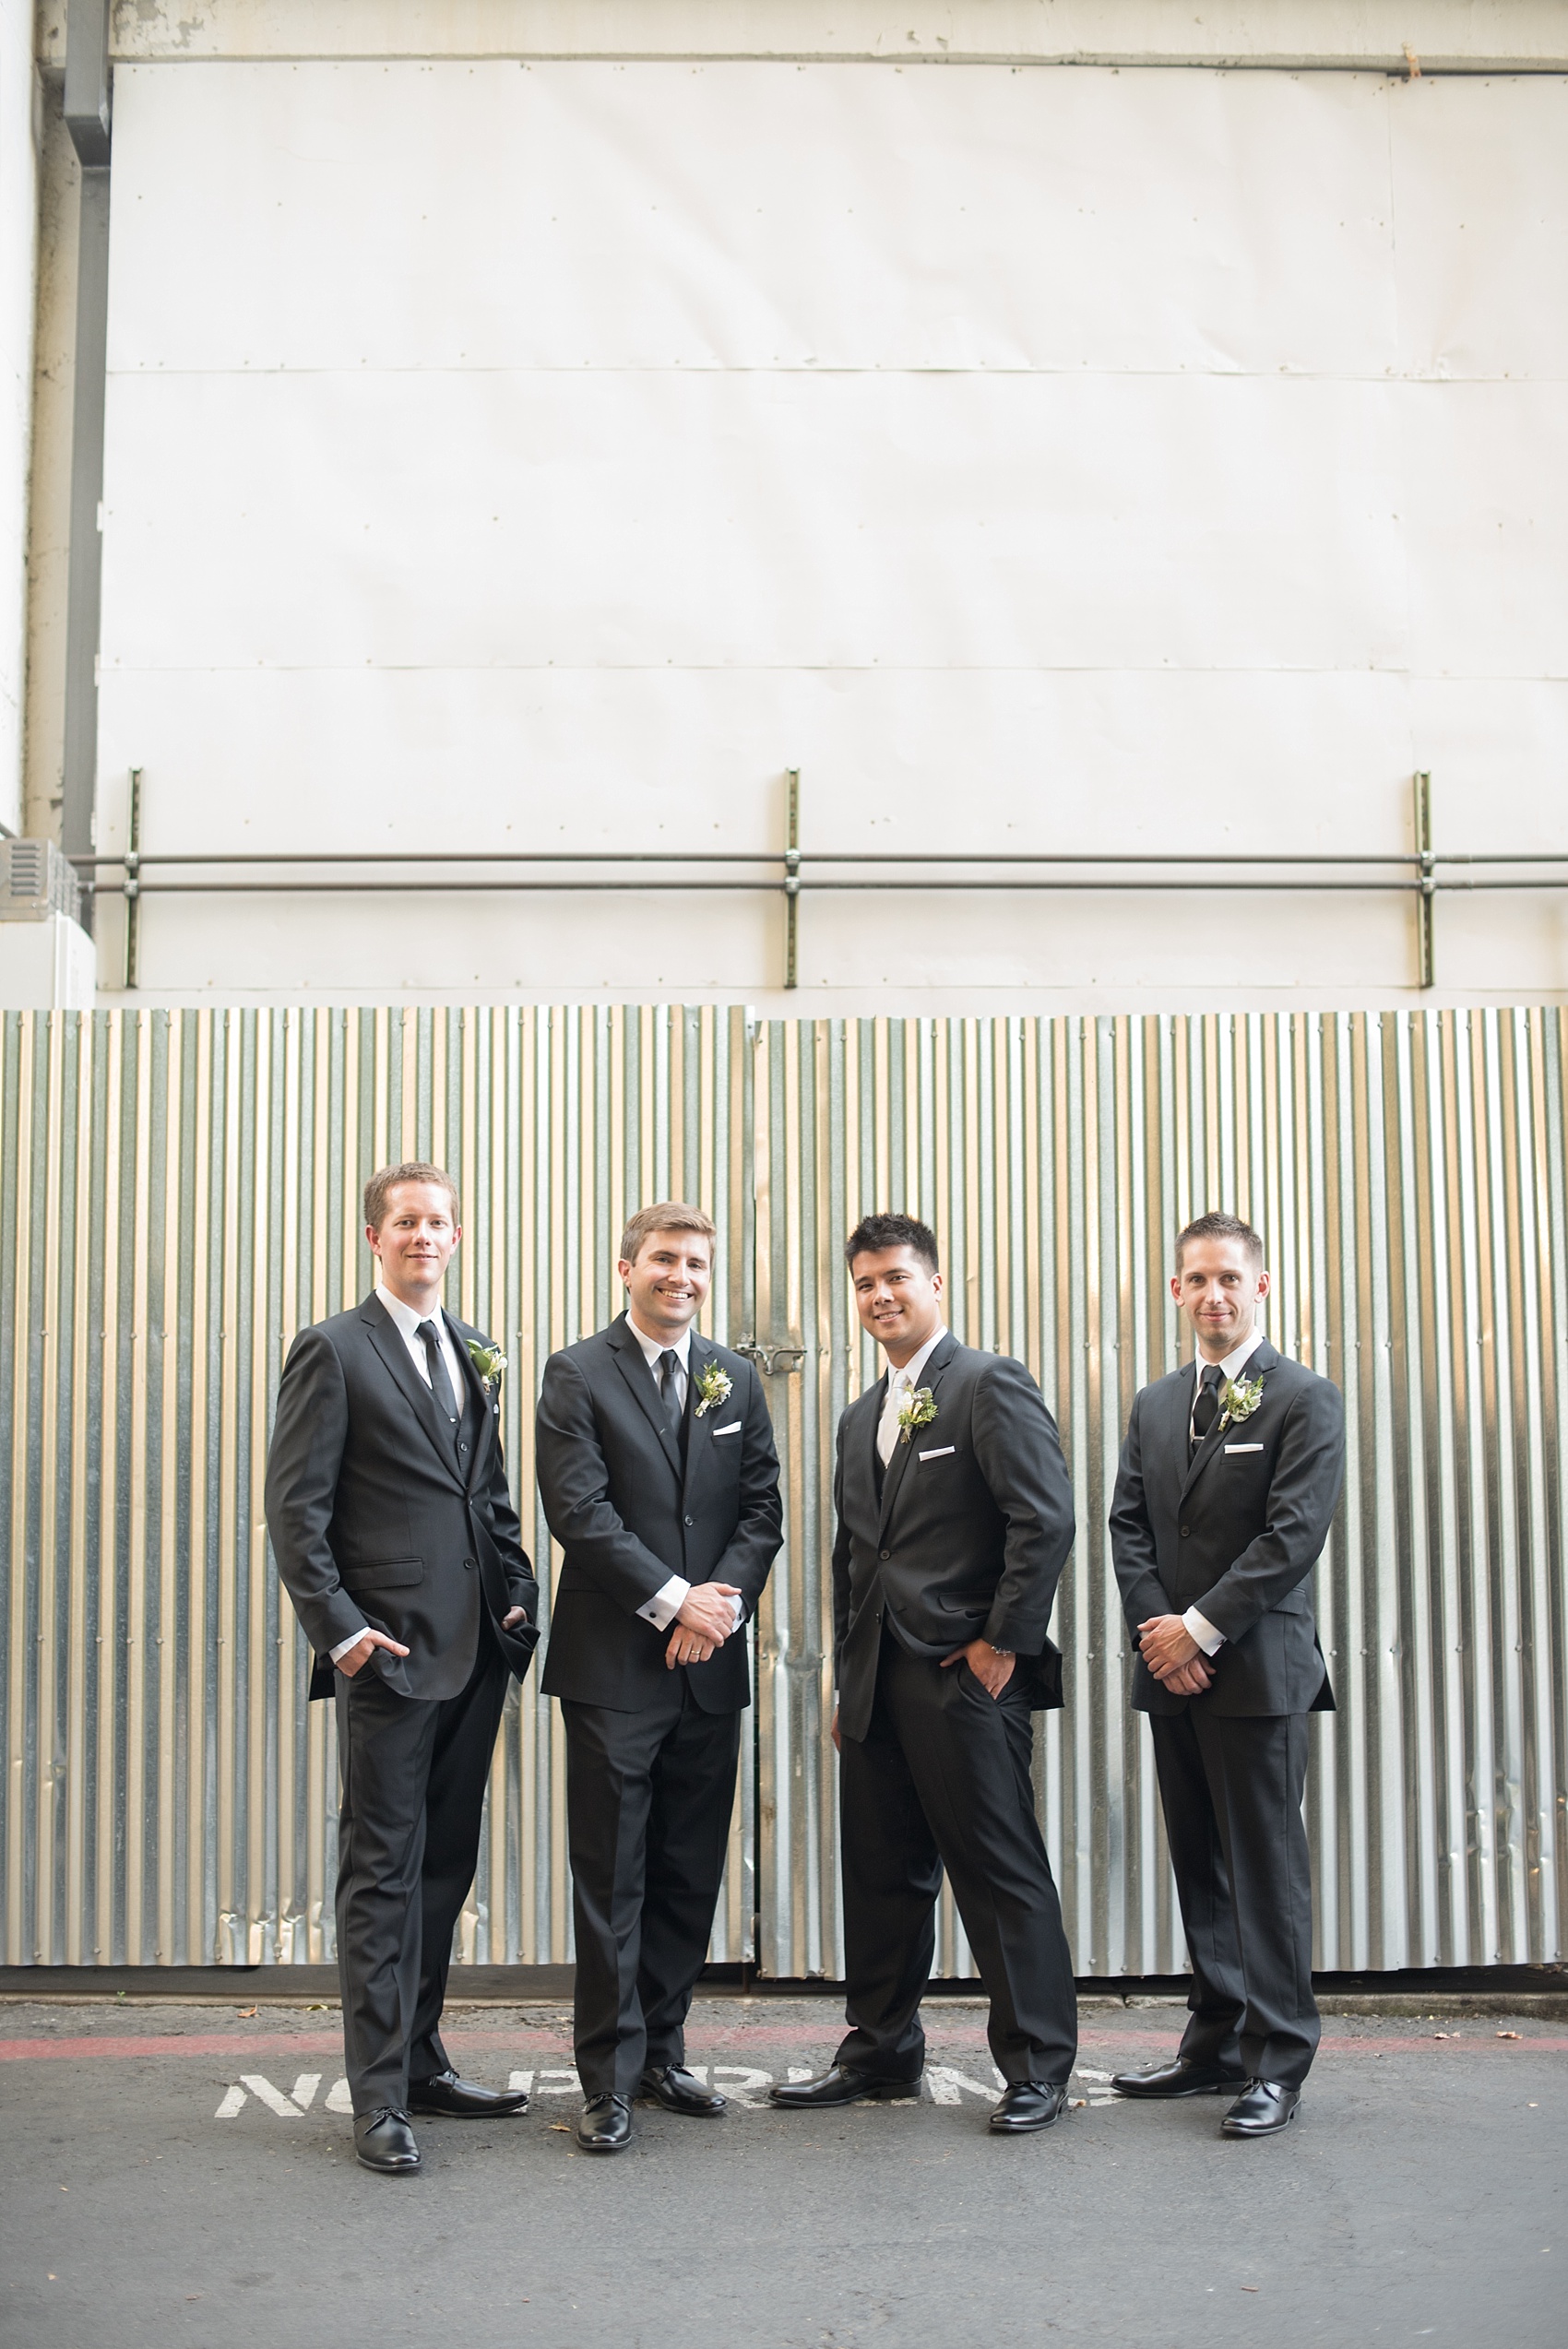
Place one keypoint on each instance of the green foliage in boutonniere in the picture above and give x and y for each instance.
(713, 1386)
(916, 1409)
(1239, 1398)
(489, 1361)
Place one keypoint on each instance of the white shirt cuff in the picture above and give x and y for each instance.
(1199, 1628)
(739, 1606)
(344, 1645)
(665, 1605)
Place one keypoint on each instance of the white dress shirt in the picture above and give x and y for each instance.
(409, 1324)
(661, 1610)
(900, 1383)
(1198, 1627)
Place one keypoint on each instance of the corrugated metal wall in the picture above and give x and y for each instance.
(1407, 1172)
(179, 1193)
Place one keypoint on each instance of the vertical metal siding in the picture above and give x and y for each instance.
(179, 1192)
(1407, 1173)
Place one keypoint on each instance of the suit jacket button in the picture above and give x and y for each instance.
(469, 1564)
(1185, 1531)
(885, 1553)
(691, 1520)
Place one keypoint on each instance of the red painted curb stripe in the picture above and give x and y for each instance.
(731, 2042)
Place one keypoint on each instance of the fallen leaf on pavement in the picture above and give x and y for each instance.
(1509, 2035)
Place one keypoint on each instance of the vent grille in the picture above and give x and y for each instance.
(36, 881)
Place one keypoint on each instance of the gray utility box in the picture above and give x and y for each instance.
(37, 881)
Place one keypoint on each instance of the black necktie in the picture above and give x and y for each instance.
(668, 1390)
(440, 1385)
(1205, 1402)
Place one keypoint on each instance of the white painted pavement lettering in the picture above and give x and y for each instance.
(950, 2087)
(293, 2107)
(737, 2080)
(744, 2086)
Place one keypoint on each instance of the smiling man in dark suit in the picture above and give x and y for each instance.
(659, 1480)
(1229, 1478)
(396, 1541)
(955, 1522)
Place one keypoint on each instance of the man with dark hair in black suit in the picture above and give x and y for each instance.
(1229, 1478)
(396, 1541)
(661, 1482)
(955, 1522)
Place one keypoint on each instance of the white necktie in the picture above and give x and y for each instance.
(887, 1430)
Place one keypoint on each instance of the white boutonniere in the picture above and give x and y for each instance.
(1239, 1398)
(713, 1387)
(916, 1409)
(489, 1361)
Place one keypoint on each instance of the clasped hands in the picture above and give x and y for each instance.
(1174, 1656)
(705, 1620)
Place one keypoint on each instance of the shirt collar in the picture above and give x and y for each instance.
(1233, 1361)
(407, 1321)
(654, 1346)
(910, 1373)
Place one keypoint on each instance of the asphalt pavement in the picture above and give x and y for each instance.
(183, 2177)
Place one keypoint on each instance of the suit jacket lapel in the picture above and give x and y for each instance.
(387, 1340)
(634, 1369)
(936, 1364)
(484, 1422)
(699, 1435)
(1262, 1357)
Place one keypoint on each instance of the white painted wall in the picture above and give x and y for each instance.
(19, 232)
(512, 453)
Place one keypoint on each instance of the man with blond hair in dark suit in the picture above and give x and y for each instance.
(661, 1482)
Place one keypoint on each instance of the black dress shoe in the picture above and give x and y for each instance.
(1182, 2077)
(841, 2084)
(1261, 2108)
(679, 2091)
(1026, 2104)
(384, 2140)
(464, 2099)
(606, 2125)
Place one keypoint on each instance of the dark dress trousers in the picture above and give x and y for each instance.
(651, 1752)
(384, 1514)
(963, 1536)
(1235, 1529)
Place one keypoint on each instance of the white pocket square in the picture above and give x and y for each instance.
(736, 1425)
(941, 1453)
(1244, 1447)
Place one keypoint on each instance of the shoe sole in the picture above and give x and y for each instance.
(584, 2147)
(1024, 2128)
(886, 2092)
(1276, 2128)
(1175, 2095)
(497, 2112)
(390, 2169)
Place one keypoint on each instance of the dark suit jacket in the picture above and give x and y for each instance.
(372, 1521)
(970, 1537)
(628, 1516)
(1234, 1532)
